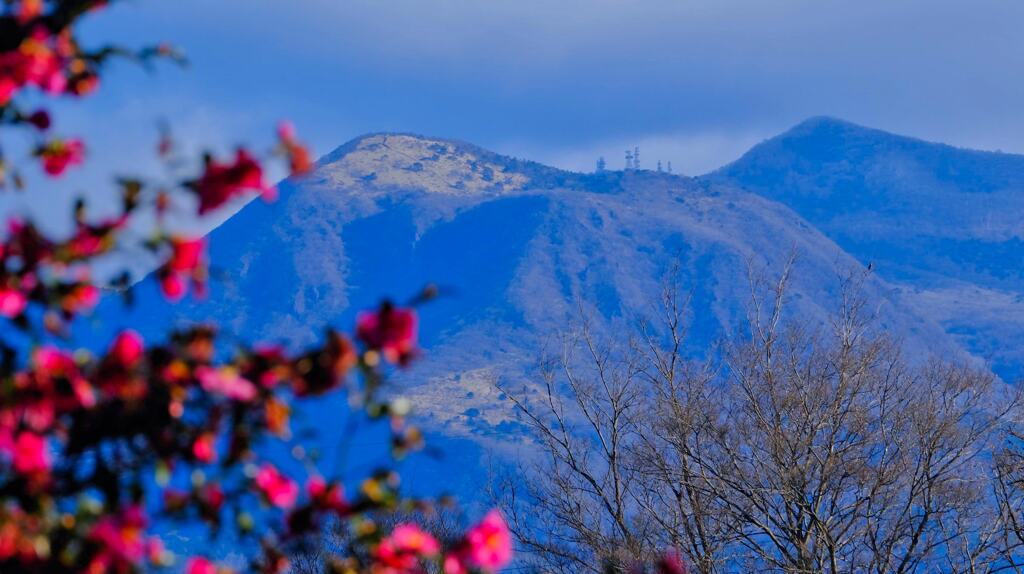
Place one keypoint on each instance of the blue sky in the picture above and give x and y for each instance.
(561, 82)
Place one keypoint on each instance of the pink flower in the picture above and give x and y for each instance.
(488, 546)
(390, 330)
(278, 489)
(204, 448)
(121, 539)
(59, 155)
(126, 349)
(12, 302)
(227, 382)
(8, 87)
(329, 497)
(91, 240)
(402, 550)
(80, 297)
(200, 566)
(29, 452)
(187, 261)
(222, 182)
(60, 384)
(187, 254)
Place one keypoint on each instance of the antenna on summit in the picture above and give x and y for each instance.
(629, 160)
(636, 157)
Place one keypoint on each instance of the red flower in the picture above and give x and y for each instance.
(390, 330)
(403, 549)
(58, 155)
(277, 488)
(187, 262)
(222, 182)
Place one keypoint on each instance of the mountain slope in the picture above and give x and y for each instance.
(943, 223)
(517, 247)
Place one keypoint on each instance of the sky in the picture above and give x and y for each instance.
(695, 82)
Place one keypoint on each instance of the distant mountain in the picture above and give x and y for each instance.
(518, 246)
(944, 224)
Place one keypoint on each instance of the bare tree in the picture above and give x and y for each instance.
(801, 449)
(583, 516)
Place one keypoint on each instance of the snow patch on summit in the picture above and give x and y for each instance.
(406, 162)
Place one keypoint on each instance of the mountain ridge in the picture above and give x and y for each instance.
(518, 260)
(940, 221)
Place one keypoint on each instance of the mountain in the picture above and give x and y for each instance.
(942, 224)
(517, 247)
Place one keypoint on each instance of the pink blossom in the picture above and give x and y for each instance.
(8, 87)
(222, 182)
(227, 382)
(204, 449)
(200, 566)
(327, 496)
(278, 489)
(488, 545)
(187, 262)
(59, 155)
(390, 330)
(80, 297)
(29, 452)
(402, 550)
(126, 349)
(122, 540)
(12, 302)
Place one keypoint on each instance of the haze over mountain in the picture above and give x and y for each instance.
(944, 224)
(518, 246)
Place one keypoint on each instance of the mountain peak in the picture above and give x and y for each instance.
(389, 161)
